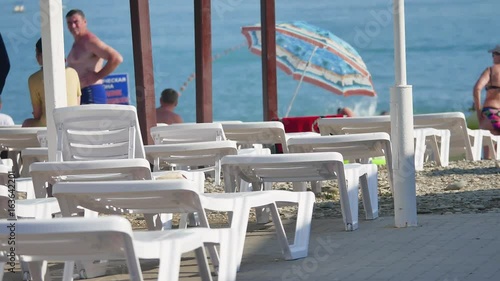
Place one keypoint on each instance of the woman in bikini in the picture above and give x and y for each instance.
(489, 114)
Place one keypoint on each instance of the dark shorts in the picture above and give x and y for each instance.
(493, 114)
(94, 94)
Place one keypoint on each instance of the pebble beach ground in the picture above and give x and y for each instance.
(463, 187)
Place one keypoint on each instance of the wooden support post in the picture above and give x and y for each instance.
(269, 82)
(203, 53)
(143, 64)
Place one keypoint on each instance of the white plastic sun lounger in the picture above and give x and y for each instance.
(438, 140)
(181, 196)
(187, 132)
(463, 140)
(16, 139)
(194, 154)
(303, 167)
(26, 208)
(74, 239)
(93, 132)
(352, 147)
(250, 133)
(98, 131)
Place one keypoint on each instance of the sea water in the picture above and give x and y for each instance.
(447, 43)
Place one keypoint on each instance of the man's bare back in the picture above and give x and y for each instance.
(165, 115)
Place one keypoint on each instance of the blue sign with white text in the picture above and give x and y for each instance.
(116, 86)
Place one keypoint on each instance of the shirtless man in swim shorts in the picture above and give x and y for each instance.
(87, 57)
(489, 114)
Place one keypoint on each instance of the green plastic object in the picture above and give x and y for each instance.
(472, 122)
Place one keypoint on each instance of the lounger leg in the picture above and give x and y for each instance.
(16, 161)
(229, 180)
(349, 189)
(477, 145)
(68, 272)
(316, 187)
(419, 150)
(190, 219)
(38, 271)
(91, 269)
(212, 251)
(170, 263)
(217, 171)
(133, 265)
(436, 153)
(201, 258)
(494, 140)
(368, 182)
(183, 222)
(25, 270)
(262, 213)
(299, 186)
(2, 268)
(388, 161)
(156, 166)
(158, 222)
(239, 225)
(300, 246)
(445, 148)
(243, 186)
(228, 268)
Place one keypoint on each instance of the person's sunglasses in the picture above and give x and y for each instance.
(495, 54)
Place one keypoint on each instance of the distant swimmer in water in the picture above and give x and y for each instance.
(87, 57)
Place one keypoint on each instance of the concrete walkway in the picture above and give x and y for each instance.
(448, 247)
(441, 248)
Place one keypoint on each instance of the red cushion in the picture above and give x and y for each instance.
(302, 124)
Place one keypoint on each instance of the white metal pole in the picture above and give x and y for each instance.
(54, 73)
(300, 82)
(405, 201)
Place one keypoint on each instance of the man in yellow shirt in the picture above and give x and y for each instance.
(37, 93)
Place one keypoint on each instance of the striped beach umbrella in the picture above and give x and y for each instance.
(315, 55)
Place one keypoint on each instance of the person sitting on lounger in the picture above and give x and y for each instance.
(347, 112)
(37, 92)
(165, 113)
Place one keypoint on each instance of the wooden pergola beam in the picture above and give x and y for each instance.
(203, 58)
(143, 64)
(269, 82)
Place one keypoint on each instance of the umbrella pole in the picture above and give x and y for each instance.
(403, 153)
(300, 82)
